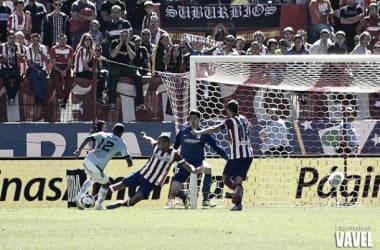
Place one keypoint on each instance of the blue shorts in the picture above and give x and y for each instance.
(237, 167)
(137, 180)
(181, 174)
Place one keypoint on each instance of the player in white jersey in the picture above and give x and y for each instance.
(153, 173)
(107, 145)
(241, 155)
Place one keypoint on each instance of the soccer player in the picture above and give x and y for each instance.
(235, 171)
(153, 173)
(107, 145)
(192, 149)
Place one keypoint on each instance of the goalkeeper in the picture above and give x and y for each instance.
(192, 150)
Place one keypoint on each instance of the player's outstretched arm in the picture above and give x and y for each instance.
(84, 143)
(191, 168)
(148, 138)
(208, 130)
(129, 160)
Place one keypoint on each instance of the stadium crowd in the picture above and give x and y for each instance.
(59, 39)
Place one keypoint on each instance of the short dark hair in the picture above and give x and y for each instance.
(195, 112)
(118, 128)
(98, 125)
(233, 106)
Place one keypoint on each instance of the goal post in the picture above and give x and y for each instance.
(305, 110)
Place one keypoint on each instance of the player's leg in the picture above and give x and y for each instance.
(142, 193)
(90, 170)
(206, 185)
(240, 172)
(132, 180)
(180, 176)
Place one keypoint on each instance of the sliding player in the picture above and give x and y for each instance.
(153, 173)
(235, 171)
(192, 149)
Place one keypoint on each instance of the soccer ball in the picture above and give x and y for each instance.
(335, 179)
(87, 201)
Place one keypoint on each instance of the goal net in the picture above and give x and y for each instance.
(312, 117)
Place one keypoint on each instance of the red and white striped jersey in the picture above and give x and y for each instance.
(158, 166)
(238, 131)
(61, 55)
(82, 54)
(10, 51)
(35, 57)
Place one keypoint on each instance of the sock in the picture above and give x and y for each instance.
(206, 187)
(102, 195)
(181, 195)
(229, 182)
(85, 187)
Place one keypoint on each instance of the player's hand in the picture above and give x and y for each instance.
(142, 133)
(199, 170)
(76, 153)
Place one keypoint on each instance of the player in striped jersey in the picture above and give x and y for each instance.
(153, 173)
(107, 145)
(241, 155)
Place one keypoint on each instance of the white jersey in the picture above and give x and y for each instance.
(106, 146)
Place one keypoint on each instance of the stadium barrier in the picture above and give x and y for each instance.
(271, 182)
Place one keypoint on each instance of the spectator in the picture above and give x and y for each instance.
(320, 14)
(148, 7)
(362, 47)
(56, 23)
(259, 37)
(142, 60)
(175, 63)
(321, 46)
(227, 48)
(146, 42)
(156, 31)
(95, 33)
(350, 16)
(37, 13)
(370, 24)
(20, 20)
(303, 33)
(20, 39)
(38, 58)
(83, 57)
(61, 75)
(272, 45)
(82, 12)
(114, 28)
(122, 53)
(282, 47)
(106, 11)
(160, 57)
(298, 47)
(102, 75)
(255, 49)
(5, 12)
(11, 53)
(239, 46)
(338, 47)
(376, 49)
(288, 35)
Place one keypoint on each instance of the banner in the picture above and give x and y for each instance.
(221, 20)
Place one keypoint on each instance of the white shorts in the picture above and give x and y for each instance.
(94, 172)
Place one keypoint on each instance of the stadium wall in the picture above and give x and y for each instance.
(276, 181)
